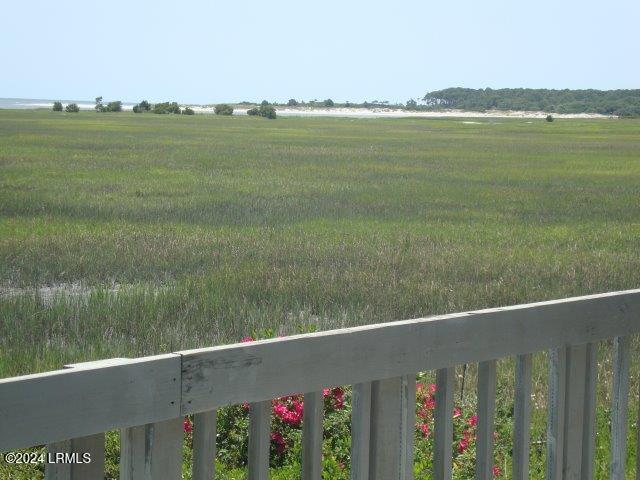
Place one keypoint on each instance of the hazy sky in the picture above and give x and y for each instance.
(210, 51)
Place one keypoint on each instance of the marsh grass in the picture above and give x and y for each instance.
(220, 227)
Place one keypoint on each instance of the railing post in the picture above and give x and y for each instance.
(620, 407)
(93, 445)
(571, 428)
(152, 451)
(443, 454)
(486, 417)
(312, 421)
(638, 438)
(589, 429)
(393, 404)
(58, 471)
(259, 440)
(556, 412)
(574, 412)
(360, 430)
(522, 418)
(204, 445)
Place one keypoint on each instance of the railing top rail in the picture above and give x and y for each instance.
(97, 396)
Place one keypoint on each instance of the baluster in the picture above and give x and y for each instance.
(392, 428)
(486, 416)
(522, 418)
(312, 436)
(575, 390)
(619, 409)
(93, 445)
(443, 455)
(638, 438)
(58, 471)
(589, 429)
(204, 445)
(360, 430)
(152, 451)
(259, 440)
(556, 414)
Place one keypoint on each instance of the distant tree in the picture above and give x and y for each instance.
(72, 108)
(142, 107)
(549, 118)
(114, 106)
(223, 109)
(292, 102)
(411, 104)
(188, 111)
(328, 103)
(57, 106)
(268, 111)
(264, 102)
(253, 111)
(99, 107)
(605, 102)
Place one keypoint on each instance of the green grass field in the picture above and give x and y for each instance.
(212, 228)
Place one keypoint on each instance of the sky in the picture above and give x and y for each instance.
(220, 50)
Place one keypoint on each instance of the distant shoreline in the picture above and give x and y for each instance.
(353, 112)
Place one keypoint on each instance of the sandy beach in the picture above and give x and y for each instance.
(339, 111)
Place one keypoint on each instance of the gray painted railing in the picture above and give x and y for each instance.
(69, 410)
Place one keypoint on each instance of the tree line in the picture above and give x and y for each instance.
(624, 103)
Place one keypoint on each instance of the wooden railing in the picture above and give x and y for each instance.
(147, 398)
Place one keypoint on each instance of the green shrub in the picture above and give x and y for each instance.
(166, 107)
(549, 118)
(188, 111)
(114, 106)
(264, 110)
(57, 106)
(72, 108)
(268, 111)
(223, 109)
(328, 103)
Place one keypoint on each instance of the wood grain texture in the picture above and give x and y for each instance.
(486, 420)
(522, 417)
(313, 416)
(443, 429)
(204, 445)
(252, 372)
(152, 451)
(259, 440)
(77, 402)
(360, 430)
(620, 407)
